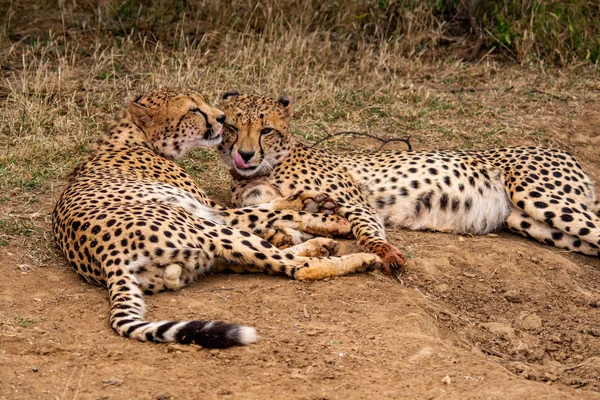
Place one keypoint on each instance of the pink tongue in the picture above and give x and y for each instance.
(239, 162)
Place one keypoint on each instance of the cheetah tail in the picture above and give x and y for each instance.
(127, 319)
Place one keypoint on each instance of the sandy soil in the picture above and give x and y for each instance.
(496, 316)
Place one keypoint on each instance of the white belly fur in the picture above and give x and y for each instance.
(488, 211)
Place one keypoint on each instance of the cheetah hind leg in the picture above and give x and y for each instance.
(521, 223)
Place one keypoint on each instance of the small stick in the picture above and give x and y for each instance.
(471, 89)
(213, 290)
(382, 140)
(561, 98)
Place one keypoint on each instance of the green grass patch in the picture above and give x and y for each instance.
(23, 321)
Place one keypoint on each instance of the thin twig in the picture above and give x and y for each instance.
(213, 290)
(493, 353)
(383, 141)
(557, 97)
(471, 89)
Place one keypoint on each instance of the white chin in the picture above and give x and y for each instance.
(211, 142)
(248, 172)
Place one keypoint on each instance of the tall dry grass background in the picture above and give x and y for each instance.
(450, 73)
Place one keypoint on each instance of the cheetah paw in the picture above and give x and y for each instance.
(279, 238)
(392, 259)
(316, 202)
(331, 225)
(317, 247)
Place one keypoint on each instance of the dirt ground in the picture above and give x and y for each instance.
(496, 316)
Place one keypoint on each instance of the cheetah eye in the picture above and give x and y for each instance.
(196, 110)
(266, 131)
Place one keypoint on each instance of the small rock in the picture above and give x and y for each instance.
(503, 331)
(47, 350)
(25, 268)
(446, 380)
(550, 377)
(174, 347)
(112, 381)
(555, 338)
(164, 396)
(530, 322)
(593, 331)
(34, 369)
(513, 296)
(469, 274)
(461, 239)
(442, 287)
(520, 368)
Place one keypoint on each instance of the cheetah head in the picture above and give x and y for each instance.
(175, 122)
(256, 135)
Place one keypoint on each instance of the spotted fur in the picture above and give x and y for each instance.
(132, 220)
(536, 192)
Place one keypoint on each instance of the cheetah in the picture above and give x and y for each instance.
(133, 221)
(536, 192)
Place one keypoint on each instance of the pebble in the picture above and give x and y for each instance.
(513, 296)
(530, 322)
(444, 287)
(175, 347)
(503, 331)
(112, 381)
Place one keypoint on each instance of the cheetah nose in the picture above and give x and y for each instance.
(221, 118)
(246, 155)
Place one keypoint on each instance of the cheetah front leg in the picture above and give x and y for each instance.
(260, 220)
(262, 194)
(370, 235)
(304, 245)
(244, 248)
(317, 247)
(311, 201)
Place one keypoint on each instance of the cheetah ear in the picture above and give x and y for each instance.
(286, 102)
(140, 114)
(230, 93)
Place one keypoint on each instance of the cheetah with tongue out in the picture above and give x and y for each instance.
(132, 220)
(536, 192)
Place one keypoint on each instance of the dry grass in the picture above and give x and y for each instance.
(67, 71)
